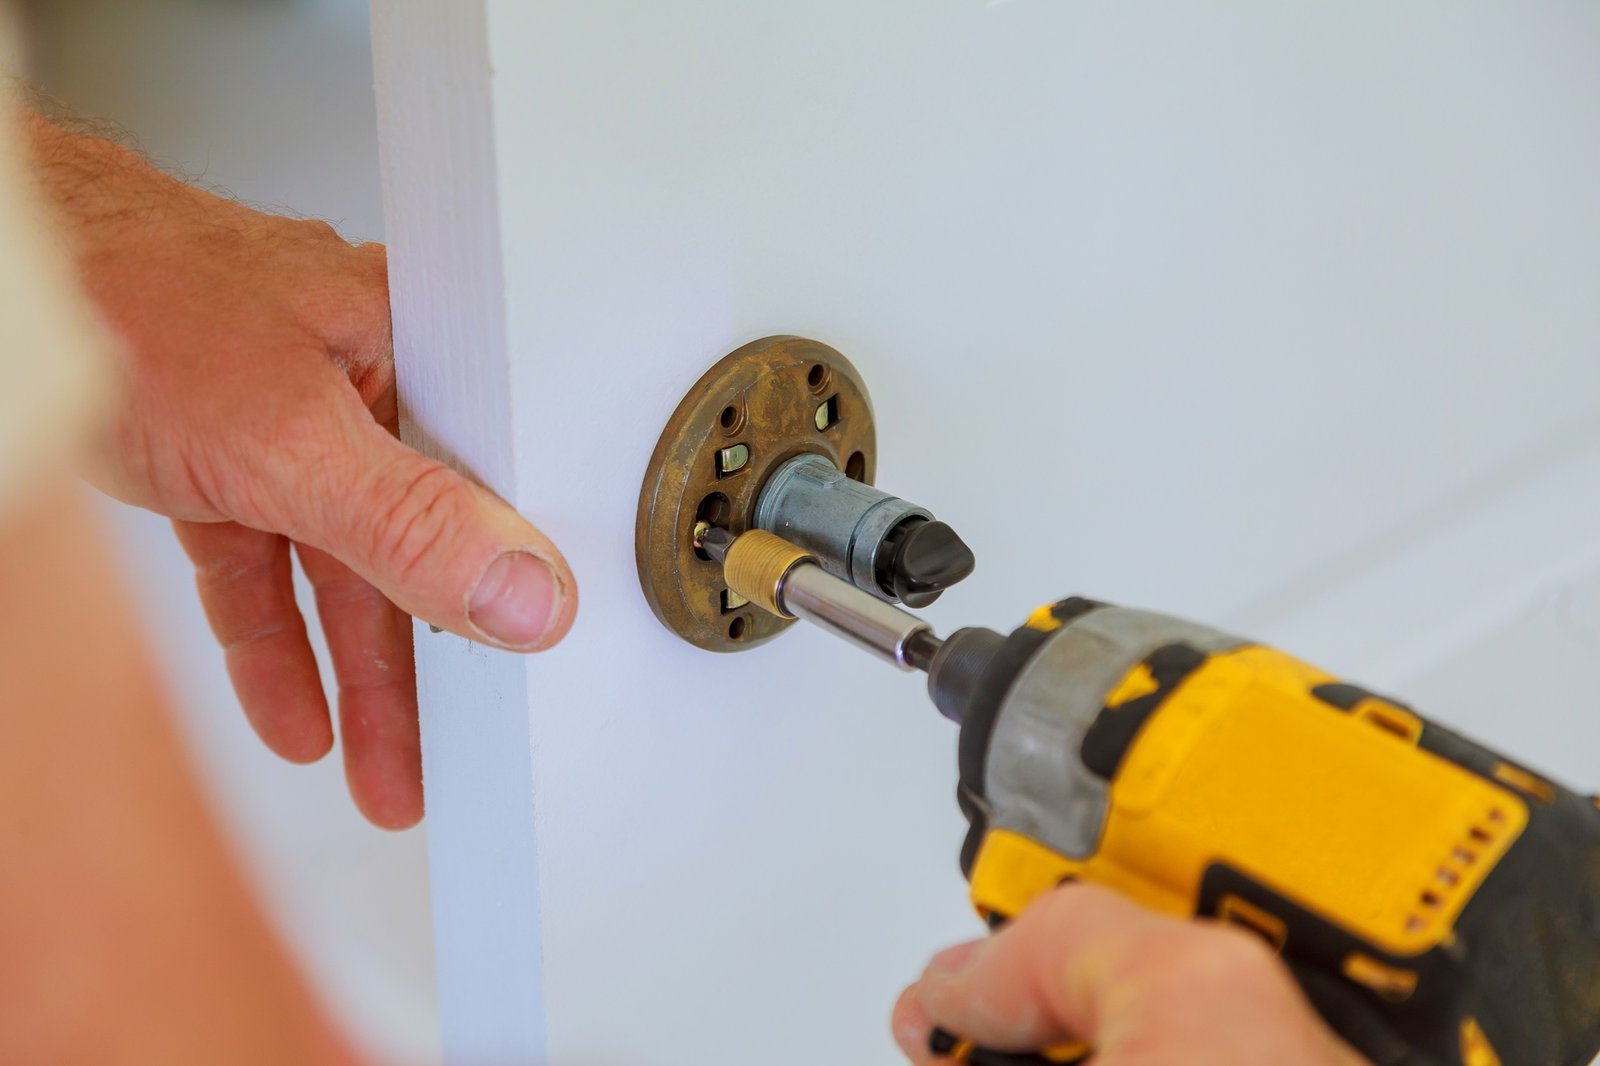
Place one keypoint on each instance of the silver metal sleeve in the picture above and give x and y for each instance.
(812, 593)
(808, 501)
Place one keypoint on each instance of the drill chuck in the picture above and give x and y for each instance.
(956, 675)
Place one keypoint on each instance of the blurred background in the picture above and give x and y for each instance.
(272, 101)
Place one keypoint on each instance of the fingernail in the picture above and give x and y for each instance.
(910, 1025)
(912, 1034)
(516, 599)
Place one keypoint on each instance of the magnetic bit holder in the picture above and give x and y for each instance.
(788, 581)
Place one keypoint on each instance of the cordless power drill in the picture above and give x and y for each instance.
(1438, 903)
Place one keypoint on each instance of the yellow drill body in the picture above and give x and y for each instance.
(1241, 764)
(1438, 903)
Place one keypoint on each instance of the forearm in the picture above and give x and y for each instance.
(94, 181)
(126, 935)
(152, 253)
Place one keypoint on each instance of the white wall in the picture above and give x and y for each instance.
(1278, 316)
(274, 102)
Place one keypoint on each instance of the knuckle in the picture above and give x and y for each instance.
(376, 257)
(345, 304)
(1186, 955)
(317, 229)
(1236, 951)
(247, 634)
(345, 593)
(1212, 954)
(223, 573)
(427, 507)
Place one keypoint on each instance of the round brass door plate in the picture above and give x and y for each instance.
(764, 404)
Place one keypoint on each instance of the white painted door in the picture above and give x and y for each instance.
(1280, 316)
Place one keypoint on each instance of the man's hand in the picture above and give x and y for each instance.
(1086, 964)
(258, 410)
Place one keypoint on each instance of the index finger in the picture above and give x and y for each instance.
(1039, 980)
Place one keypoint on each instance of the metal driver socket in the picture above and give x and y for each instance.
(811, 503)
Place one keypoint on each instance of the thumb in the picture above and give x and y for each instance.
(1086, 963)
(439, 546)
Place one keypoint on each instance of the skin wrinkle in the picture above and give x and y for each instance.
(439, 489)
(367, 685)
(228, 569)
(308, 441)
(256, 635)
(344, 593)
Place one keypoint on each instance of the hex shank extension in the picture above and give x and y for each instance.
(786, 580)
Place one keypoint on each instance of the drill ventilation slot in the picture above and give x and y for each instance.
(1438, 901)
